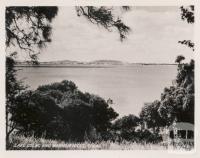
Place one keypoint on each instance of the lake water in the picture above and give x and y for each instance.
(128, 86)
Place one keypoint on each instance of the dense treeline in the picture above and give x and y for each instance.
(61, 111)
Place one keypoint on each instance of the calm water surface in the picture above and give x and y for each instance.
(128, 86)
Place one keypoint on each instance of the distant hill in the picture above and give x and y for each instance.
(107, 62)
(98, 63)
(74, 63)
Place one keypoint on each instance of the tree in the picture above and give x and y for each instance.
(13, 89)
(102, 115)
(37, 113)
(185, 82)
(35, 32)
(177, 102)
(34, 112)
(29, 27)
(149, 115)
(179, 59)
(104, 16)
(61, 111)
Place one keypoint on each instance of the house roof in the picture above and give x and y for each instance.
(182, 126)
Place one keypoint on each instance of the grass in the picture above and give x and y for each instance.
(31, 143)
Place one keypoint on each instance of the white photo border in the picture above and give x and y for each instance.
(99, 153)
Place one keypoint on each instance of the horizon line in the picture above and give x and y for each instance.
(100, 60)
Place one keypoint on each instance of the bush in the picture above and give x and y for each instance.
(145, 136)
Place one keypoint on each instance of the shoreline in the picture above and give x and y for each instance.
(91, 66)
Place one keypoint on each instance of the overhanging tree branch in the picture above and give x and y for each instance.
(103, 16)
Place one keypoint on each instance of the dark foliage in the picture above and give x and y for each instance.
(34, 113)
(179, 59)
(125, 128)
(102, 114)
(187, 14)
(104, 16)
(178, 101)
(29, 27)
(79, 115)
(130, 128)
(64, 86)
(188, 43)
(61, 111)
(150, 117)
(13, 89)
(145, 136)
(126, 122)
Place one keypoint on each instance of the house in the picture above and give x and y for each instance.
(181, 133)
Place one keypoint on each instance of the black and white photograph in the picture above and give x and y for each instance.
(100, 78)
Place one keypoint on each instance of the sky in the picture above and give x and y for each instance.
(154, 36)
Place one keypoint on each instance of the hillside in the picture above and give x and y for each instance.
(74, 63)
